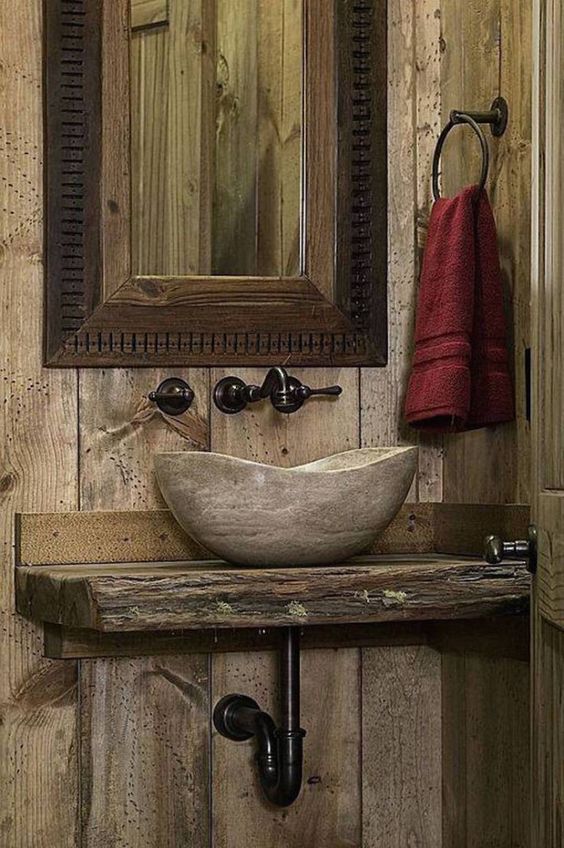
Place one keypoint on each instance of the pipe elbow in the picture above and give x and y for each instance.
(281, 777)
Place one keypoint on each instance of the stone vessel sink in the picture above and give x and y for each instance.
(262, 515)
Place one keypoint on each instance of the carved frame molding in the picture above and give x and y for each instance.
(99, 315)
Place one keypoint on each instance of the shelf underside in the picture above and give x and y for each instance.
(199, 595)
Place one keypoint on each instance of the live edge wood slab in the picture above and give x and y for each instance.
(208, 594)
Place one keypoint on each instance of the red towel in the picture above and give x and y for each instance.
(460, 378)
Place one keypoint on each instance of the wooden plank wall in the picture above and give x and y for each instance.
(396, 771)
(217, 136)
(486, 51)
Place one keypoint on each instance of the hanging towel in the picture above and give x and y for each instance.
(460, 377)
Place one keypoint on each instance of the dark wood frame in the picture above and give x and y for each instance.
(97, 314)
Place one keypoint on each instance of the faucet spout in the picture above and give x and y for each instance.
(276, 386)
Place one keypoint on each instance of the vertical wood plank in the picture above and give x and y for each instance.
(321, 118)
(115, 200)
(235, 201)
(279, 136)
(38, 467)
(548, 735)
(329, 810)
(145, 752)
(270, 85)
(401, 747)
(513, 217)
(291, 138)
(428, 120)
(185, 137)
(382, 389)
(485, 751)
(149, 131)
(481, 60)
(145, 722)
(172, 126)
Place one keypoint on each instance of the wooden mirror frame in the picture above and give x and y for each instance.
(98, 314)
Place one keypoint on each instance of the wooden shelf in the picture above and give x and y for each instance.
(199, 595)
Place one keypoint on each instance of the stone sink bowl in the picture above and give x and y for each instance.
(262, 515)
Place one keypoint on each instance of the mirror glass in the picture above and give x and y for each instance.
(216, 156)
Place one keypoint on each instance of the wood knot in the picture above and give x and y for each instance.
(7, 483)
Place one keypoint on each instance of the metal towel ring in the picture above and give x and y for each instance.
(460, 118)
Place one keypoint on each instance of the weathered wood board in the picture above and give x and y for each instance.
(212, 594)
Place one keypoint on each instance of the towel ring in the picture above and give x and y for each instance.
(460, 118)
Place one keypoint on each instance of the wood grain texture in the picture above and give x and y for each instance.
(512, 189)
(234, 246)
(381, 391)
(114, 151)
(485, 743)
(401, 747)
(144, 752)
(504, 636)
(548, 318)
(462, 528)
(38, 729)
(549, 583)
(169, 596)
(547, 466)
(148, 13)
(144, 725)
(149, 535)
(38, 467)
(118, 445)
(67, 642)
(428, 124)
(500, 33)
(155, 536)
(547, 786)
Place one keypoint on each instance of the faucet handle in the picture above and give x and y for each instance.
(298, 393)
(305, 392)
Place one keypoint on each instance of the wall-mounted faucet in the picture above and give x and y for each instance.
(286, 393)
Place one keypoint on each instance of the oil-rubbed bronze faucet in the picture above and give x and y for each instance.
(286, 393)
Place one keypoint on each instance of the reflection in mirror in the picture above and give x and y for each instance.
(216, 137)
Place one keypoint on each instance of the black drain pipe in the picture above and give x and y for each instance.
(280, 750)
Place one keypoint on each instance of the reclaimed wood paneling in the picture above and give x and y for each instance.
(133, 777)
(38, 467)
(548, 465)
(144, 752)
(547, 786)
(401, 747)
(485, 745)
(144, 723)
(381, 390)
(487, 51)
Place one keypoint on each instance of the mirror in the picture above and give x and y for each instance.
(216, 132)
(216, 183)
